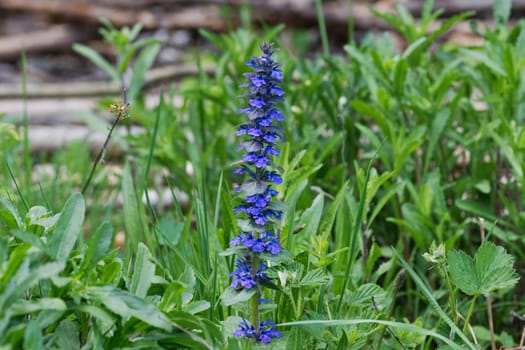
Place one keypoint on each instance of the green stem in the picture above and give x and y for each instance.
(254, 302)
(470, 310)
(322, 27)
(451, 298)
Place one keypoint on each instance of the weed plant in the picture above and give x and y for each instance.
(402, 192)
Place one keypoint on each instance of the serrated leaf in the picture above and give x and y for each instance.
(313, 278)
(495, 268)
(462, 271)
(363, 295)
(492, 268)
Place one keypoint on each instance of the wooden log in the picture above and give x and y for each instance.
(65, 111)
(55, 37)
(98, 88)
(298, 13)
(45, 138)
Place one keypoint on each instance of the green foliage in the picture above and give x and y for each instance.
(391, 157)
(73, 291)
(490, 269)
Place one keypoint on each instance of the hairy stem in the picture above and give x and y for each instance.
(470, 311)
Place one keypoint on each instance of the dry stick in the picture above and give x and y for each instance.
(120, 113)
(487, 298)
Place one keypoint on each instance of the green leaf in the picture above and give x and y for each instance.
(105, 319)
(10, 214)
(462, 271)
(423, 288)
(22, 307)
(477, 208)
(196, 307)
(502, 12)
(67, 334)
(232, 296)
(68, 228)
(132, 222)
(485, 60)
(492, 268)
(30, 238)
(143, 272)
(97, 60)
(313, 278)
(98, 245)
(142, 65)
(397, 325)
(126, 305)
(33, 339)
(26, 278)
(363, 295)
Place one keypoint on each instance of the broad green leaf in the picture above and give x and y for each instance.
(22, 307)
(502, 12)
(126, 305)
(26, 278)
(143, 272)
(68, 228)
(312, 216)
(30, 238)
(105, 319)
(98, 245)
(132, 214)
(67, 335)
(33, 339)
(10, 214)
(492, 268)
(97, 60)
(313, 278)
(196, 307)
(477, 208)
(423, 288)
(36, 213)
(462, 271)
(363, 295)
(232, 296)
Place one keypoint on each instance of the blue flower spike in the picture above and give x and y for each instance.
(260, 133)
